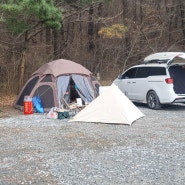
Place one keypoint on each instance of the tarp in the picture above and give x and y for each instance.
(111, 106)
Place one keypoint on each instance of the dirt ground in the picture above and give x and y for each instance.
(8, 111)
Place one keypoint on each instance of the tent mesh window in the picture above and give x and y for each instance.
(47, 78)
(96, 85)
(45, 92)
(27, 90)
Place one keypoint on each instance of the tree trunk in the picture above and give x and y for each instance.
(22, 69)
(127, 37)
(125, 8)
(48, 42)
(23, 61)
(56, 44)
(182, 9)
(134, 10)
(141, 11)
(170, 22)
(63, 42)
(141, 29)
(90, 29)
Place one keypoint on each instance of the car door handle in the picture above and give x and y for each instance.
(134, 82)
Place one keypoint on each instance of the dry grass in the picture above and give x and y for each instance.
(7, 100)
(106, 82)
(6, 106)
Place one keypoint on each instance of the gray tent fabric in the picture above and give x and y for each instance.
(56, 81)
(83, 87)
(62, 84)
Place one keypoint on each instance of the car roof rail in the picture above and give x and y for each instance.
(156, 61)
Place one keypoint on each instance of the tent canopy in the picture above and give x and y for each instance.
(58, 82)
(111, 106)
(61, 67)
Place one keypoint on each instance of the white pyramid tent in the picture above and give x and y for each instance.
(111, 106)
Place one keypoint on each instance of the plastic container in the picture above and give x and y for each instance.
(28, 105)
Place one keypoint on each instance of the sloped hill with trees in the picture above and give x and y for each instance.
(107, 37)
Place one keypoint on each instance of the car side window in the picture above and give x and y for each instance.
(157, 71)
(130, 73)
(142, 72)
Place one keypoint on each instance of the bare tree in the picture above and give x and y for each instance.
(182, 10)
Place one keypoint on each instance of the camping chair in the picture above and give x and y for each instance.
(73, 107)
(65, 105)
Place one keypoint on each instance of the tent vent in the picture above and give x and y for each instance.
(47, 78)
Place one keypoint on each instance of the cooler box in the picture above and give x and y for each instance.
(28, 105)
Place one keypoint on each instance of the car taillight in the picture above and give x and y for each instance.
(169, 80)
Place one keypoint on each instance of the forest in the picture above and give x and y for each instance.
(105, 36)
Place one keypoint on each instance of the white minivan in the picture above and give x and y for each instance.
(159, 80)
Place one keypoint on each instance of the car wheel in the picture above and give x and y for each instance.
(153, 100)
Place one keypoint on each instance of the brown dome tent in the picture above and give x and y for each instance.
(59, 81)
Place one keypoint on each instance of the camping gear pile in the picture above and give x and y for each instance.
(57, 113)
(66, 89)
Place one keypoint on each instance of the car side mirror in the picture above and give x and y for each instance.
(120, 76)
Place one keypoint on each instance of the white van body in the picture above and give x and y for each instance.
(159, 80)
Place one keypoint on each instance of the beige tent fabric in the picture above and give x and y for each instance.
(112, 106)
(61, 67)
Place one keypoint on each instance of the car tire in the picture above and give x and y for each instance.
(153, 100)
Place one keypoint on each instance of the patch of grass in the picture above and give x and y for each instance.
(7, 100)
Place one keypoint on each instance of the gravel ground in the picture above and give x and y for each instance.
(40, 151)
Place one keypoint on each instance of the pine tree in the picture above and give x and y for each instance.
(27, 18)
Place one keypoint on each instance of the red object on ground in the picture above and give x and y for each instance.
(28, 105)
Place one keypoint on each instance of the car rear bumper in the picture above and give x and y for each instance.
(179, 100)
